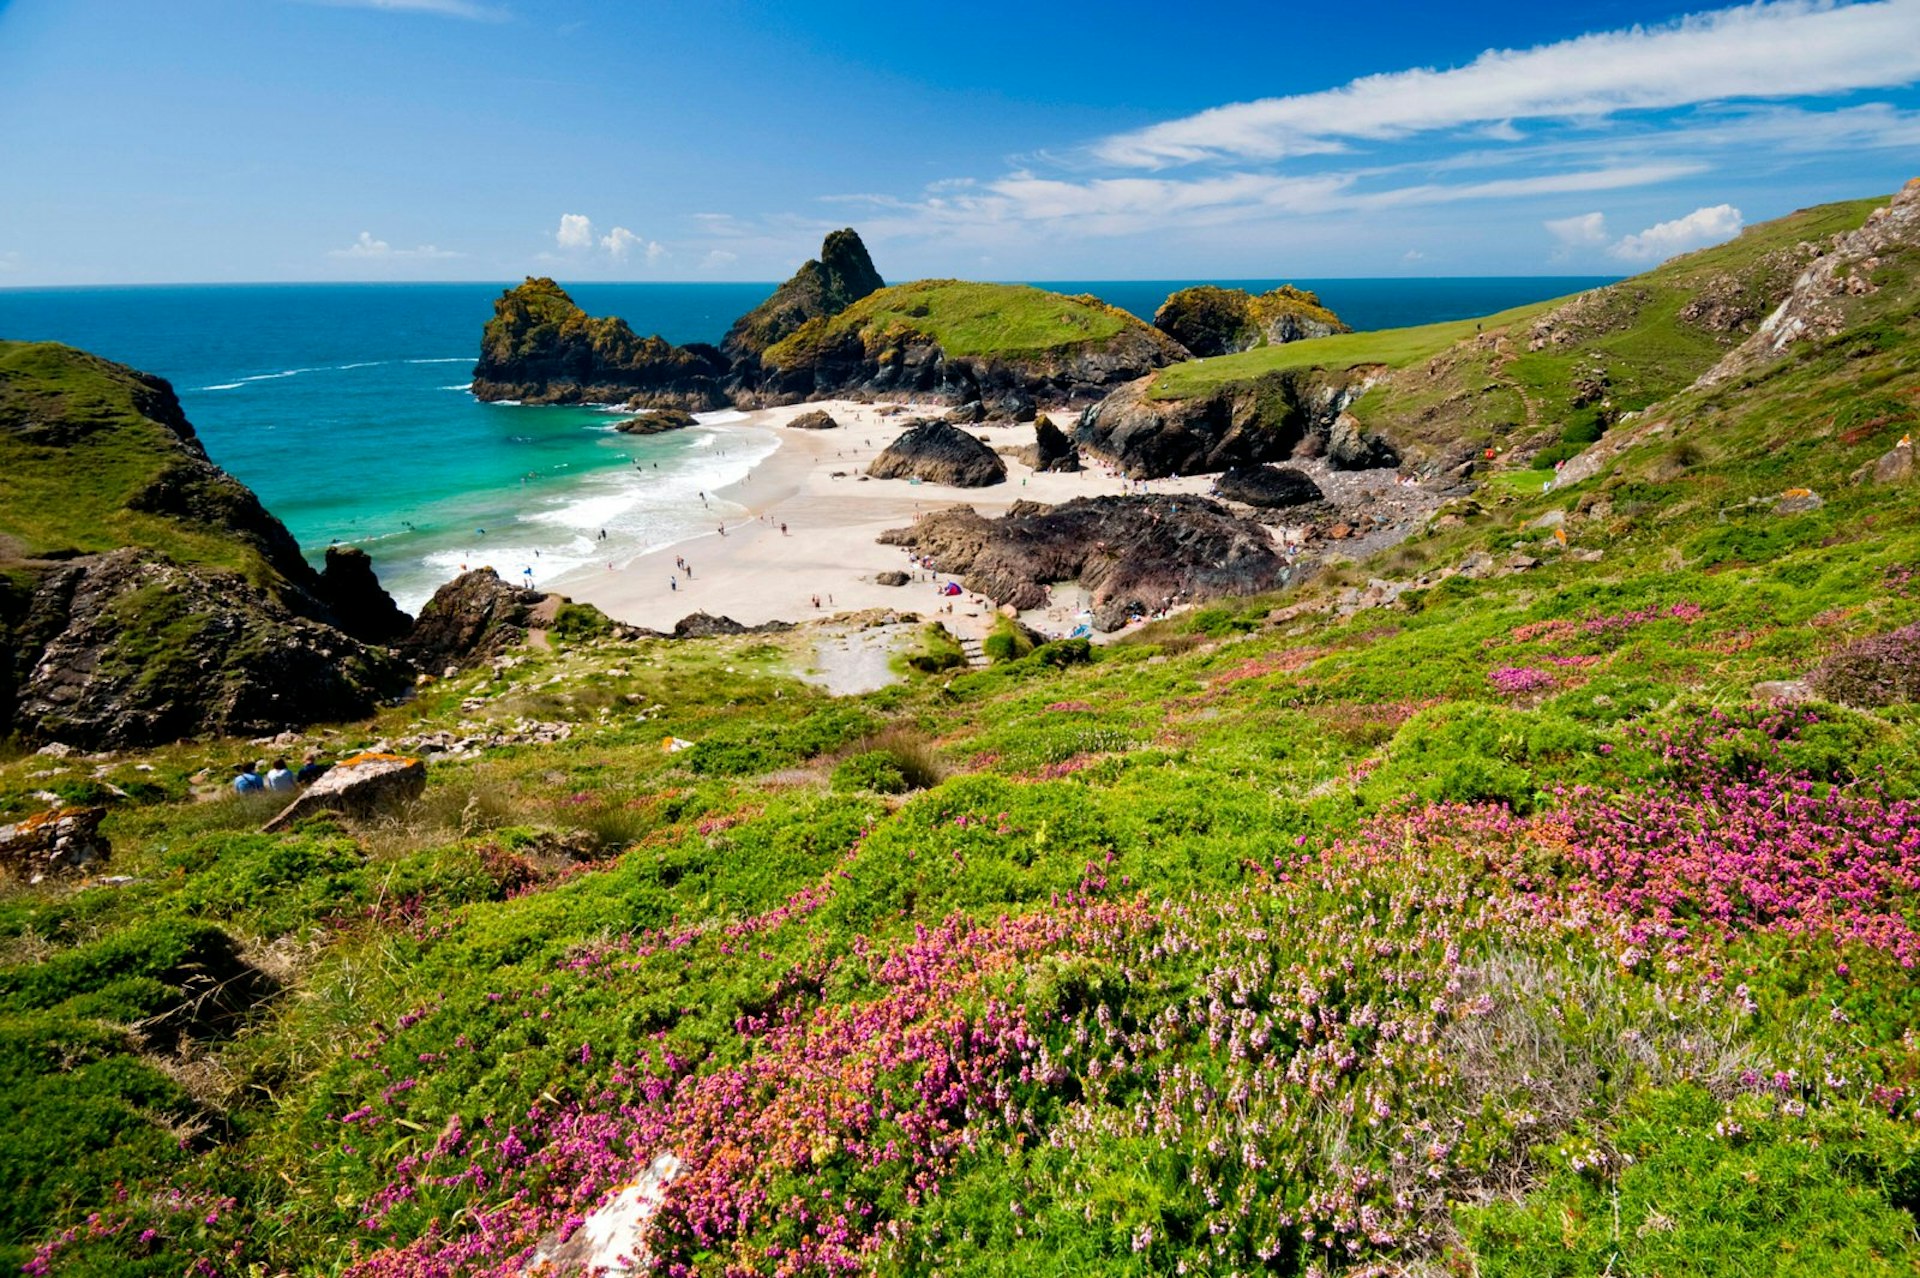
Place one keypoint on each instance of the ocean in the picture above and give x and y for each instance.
(345, 407)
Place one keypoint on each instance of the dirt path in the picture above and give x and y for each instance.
(850, 662)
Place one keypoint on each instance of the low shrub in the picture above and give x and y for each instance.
(1881, 670)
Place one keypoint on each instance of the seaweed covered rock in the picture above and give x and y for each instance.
(1209, 320)
(1269, 487)
(939, 453)
(1136, 555)
(657, 421)
(471, 619)
(821, 288)
(540, 348)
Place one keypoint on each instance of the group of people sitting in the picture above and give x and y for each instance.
(253, 778)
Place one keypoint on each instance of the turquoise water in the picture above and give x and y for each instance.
(346, 408)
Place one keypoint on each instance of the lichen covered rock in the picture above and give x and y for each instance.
(362, 786)
(540, 348)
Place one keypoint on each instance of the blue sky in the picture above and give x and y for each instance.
(233, 140)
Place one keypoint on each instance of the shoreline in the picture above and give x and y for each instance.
(815, 483)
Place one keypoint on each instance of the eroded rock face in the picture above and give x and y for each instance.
(540, 348)
(1135, 555)
(1240, 425)
(939, 453)
(363, 786)
(130, 649)
(469, 620)
(1269, 487)
(1818, 306)
(61, 841)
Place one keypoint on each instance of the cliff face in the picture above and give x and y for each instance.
(540, 348)
(1212, 321)
(145, 594)
(955, 341)
(820, 289)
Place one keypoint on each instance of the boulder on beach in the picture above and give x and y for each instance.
(1050, 450)
(939, 453)
(1269, 487)
(892, 577)
(657, 421)
(818, 419)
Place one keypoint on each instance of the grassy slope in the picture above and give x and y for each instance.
(1219, 851)
(968, 320)
(76, 498)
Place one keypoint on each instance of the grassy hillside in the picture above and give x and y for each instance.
(968, 320)
(91, 484)
(1500, 930)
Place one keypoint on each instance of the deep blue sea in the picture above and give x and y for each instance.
(346, 407)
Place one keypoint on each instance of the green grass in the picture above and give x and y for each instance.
(968, 320)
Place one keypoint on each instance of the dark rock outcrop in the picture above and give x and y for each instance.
(1050, 450)
(891, 577)
(540, 348)
(359, 604)
(818, 419)
(971, 413)
(657, 421)
(1269, 487)
(1136, 555)
(363, 786)
(132, 649)
(1209, 320)
(820, 289)
(471, 619)
(939, 453)
(1242, 424)
(701, 625)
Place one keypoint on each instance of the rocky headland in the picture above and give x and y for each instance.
(541, 348)
(1209, 320)
(820, 289)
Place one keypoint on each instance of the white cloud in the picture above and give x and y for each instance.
(655, 251)
(1588, 230)
(717, 259)
(619, 242)
(1697, 229)
(366, 247)
(1413, 255)
(575, 233)
(1763, 50)
(444, 8)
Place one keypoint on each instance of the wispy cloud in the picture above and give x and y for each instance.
(1759, 51)
(368, 248)
(442, 8)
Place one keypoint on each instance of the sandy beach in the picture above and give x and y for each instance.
(813, 485)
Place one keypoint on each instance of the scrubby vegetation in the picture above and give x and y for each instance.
(1500, 930)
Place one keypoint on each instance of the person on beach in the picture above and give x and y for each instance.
(246, 780)
(783, 530)
(673, 582)
(280, 777)
(723, 530)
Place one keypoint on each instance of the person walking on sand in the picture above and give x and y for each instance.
(783, 530)
(673, 583)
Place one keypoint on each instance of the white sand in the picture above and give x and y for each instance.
(812, 484)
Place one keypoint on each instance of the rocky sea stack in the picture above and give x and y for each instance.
(1209, 320)
(939, 453)
(820, 289)
(146, 594)
(540, 348)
